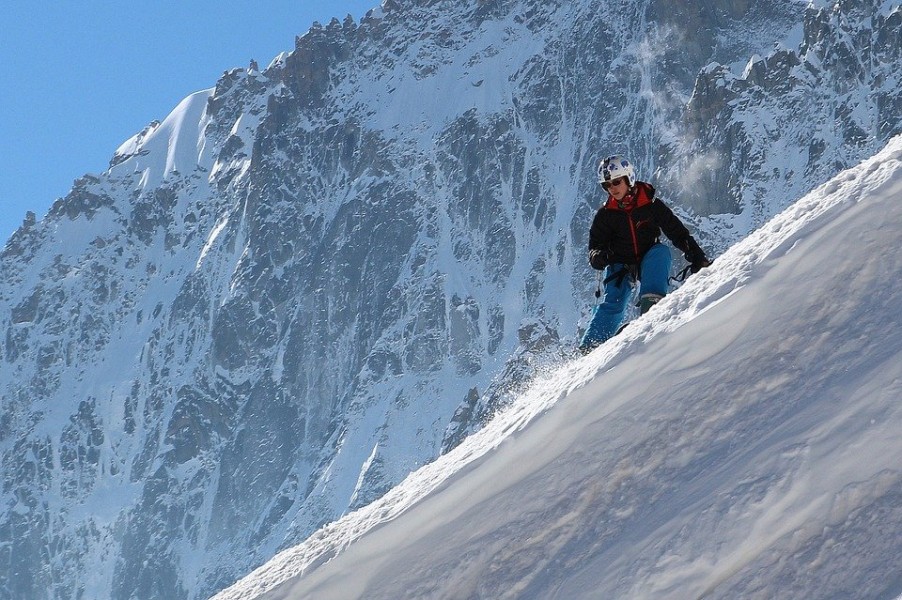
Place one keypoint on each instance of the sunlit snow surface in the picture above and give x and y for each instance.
(741, 440)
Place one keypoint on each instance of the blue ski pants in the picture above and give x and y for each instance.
(654, 271)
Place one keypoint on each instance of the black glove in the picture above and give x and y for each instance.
(697, 261)
(698, 266)
(599, 259)
(694, 254)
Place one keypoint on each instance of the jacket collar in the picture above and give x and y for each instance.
(641, 194)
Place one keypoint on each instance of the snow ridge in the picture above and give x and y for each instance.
(174, 146)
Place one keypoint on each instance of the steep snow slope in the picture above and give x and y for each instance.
(742, 440)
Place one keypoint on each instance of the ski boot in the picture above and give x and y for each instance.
(647, 301)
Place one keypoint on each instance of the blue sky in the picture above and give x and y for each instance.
(80, 78)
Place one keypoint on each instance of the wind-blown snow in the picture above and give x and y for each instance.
(741, 440)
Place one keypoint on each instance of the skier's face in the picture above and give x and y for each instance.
(617, 188)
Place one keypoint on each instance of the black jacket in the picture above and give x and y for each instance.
(622, 232)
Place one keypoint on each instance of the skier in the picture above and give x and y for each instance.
(624, 243)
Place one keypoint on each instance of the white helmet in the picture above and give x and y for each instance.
(613, 167)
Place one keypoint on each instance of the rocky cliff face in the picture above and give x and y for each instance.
(815, 104)
(307, 281)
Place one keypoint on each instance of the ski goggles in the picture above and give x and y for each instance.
(613, 183)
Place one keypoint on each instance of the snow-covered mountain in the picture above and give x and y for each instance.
(741, 440)
(306, 282)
